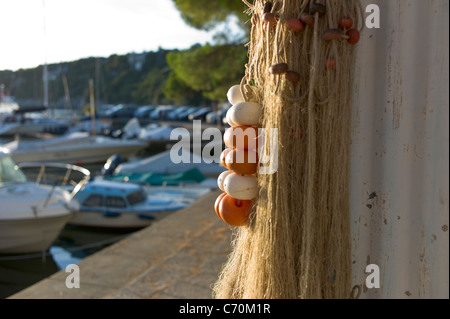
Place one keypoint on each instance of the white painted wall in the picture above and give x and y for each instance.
(400, 151)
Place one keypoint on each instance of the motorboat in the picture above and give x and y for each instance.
(75, 148)
(163, 163)
(122, 205)
(34, 120)
(7, 103)
(13, 126)
(31, 215)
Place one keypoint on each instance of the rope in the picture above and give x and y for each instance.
(297, 243)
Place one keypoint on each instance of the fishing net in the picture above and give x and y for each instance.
(297, 242)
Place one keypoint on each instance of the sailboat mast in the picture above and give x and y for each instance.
(45, 80)
(45, 68)
(92, 105)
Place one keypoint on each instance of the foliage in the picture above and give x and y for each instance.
(132, 78)
(207, 14)
(209, 69)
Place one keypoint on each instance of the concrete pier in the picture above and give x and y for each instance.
(179, 256)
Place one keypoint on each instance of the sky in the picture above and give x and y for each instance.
(34, 32)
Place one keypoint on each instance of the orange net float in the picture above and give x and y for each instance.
(223, 157)
(345, 23)
(233, 211)
(353, 36)
(295, 25)
(217, 202)
(242, 162)
(242, 137)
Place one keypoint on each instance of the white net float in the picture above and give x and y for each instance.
(241, 187)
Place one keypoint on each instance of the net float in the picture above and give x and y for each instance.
(345, 23)
(317, 8)
(295, 25)
(242, 162)
(241, 187)
(221, 179)
(292, 76)
(353, 36)
(228, 117)
(217, 202)
(307, 19)
(279, 68)
(234, 95)
(242, 137)
(246, 113)
(223, 156)
(234, 212)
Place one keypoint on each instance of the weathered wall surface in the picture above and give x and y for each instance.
(400, 152)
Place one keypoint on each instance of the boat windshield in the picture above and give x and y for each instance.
(136, 198)
(10, 172)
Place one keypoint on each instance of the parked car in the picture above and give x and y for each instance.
(160, 113)
(144, 111)
(216, 117)
(173, 115)
(183, 116)
(200, 114)
(121, 111)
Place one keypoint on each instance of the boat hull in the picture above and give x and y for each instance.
(114, 221)
(30, 235)
(10, 129)
(86, 156)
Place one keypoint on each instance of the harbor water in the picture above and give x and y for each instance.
(18, 272)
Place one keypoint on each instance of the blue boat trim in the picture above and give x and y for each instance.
(149, 217)
(111, 214)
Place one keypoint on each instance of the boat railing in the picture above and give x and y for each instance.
(68, 176)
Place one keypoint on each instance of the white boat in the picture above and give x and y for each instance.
(162, 163)
(31, 215)
(16, 120)
(75, 148)
(34, 126)
(120, 205)
(7, 103)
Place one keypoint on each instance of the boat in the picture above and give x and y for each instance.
(31, 215)
(127, 205)
(33, 126)
(162, 164)
(8, 105)
(30, 120)
(192, 176)
(74, 148)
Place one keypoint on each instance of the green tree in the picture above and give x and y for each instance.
(212, 68)
(209, 69)
(207, 14)
(179, 92)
